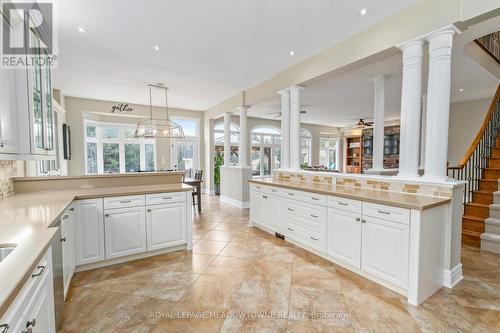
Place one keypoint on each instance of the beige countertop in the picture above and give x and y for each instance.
(25, 221)
(403, 200)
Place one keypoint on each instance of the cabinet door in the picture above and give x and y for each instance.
(8, 112)
(89, 231)
(36, 105)
(125, 231)
(40, 314)
(385, 250)
(258, 208)
(344, 236)
(272, 213)
(68, 248)
(166, 225)
(48, 109)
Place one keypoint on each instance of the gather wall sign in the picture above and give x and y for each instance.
(121, 108)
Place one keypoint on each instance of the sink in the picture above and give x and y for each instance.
(5, 250)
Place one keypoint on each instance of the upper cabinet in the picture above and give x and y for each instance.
(27, 117)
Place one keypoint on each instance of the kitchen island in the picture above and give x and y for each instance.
(403, 241)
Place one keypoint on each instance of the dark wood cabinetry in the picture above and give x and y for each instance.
(391, 148)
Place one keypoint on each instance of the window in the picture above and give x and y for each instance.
(305, 147)
(112, 148)
(327, 152)
(235, 139)
(266, 151)
(185, 151)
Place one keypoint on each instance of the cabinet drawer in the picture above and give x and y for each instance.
(306, 214)
(347, 205)
(125, 201)
(395, 214)
(317, 199)
(162, 198)
(311, 238)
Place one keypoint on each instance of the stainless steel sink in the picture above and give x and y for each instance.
(5, 250)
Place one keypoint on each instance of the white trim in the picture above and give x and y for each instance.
(234, 202)
(451, 277)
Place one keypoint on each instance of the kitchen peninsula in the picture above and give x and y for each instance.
(84, 222)
(401, 234)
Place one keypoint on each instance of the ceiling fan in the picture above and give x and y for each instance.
(363, 124)
(278, 114)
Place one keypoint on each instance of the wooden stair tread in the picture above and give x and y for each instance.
(475, 204)
(473, 218)
(482, 192)
(471, 233)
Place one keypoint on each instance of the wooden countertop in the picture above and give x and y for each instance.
(25, 221)
(403, 200)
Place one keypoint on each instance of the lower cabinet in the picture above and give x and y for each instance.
(166, 225)
(40, 315)
(344, 236)
(89, 231)
(265, 211)
(385, 250)
(125, 231)
(68, 247)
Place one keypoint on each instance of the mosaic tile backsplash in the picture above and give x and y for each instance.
(393, 186)
(8, 169)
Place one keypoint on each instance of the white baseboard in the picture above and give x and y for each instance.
(207, 191)
(451, 277)
(234, 202)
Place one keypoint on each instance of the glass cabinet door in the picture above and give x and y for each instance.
(38, 117)
(47, 104)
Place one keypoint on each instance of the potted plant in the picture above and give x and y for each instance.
(218, 161)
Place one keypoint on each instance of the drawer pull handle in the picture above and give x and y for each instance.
(258, 187)
(291, 193)
(167, 198)
(290, 229)
(4, 327)
(71, 209)
(343, 203)
(314, 198)
(149, 210)
(384, 212)
(63, 239)
(274, 191)
(106, 215)
(315, 216)
(358, 219)
(125, 201)
(315, 239)
(31, 323)
(264, 197)
(40, 272)
(290, 209)
(65, 217)
(363, 221)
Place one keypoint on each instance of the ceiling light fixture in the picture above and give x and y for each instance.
(292, 53)
(363, 12)
(156, 48)
(82, 30)
(158, 128)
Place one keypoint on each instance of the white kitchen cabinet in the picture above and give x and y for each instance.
(265, 210)
(8, 112)
(89, 231)
(125, 231)
(344, 236)
(385, 250)
(68, 247)
(166, 225)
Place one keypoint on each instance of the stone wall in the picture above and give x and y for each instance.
(8, 169)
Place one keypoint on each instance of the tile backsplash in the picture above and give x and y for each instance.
(8, 169)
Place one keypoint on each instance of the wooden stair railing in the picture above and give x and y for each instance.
(470, 168)
(490, 44)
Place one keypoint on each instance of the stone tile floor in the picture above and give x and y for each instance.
(258, 279)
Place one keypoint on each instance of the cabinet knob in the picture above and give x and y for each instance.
(31, 323)
(358, 219)
(1, 146)
(71, 209)
(106, 215)
(63, 239)
(363, 221)
(149, 210)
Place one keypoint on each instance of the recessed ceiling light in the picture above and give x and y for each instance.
(156, 48)
(461, 89)
(363, 11)
(292, 53)
(82, 30)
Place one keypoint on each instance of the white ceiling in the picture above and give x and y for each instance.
(209, 49)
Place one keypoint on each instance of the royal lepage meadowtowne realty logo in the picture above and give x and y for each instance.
(28, 35)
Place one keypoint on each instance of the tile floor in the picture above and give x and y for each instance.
(240, 279)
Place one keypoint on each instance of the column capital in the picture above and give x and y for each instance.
(417, 42)
(296, 88)
(381, 77)
(228, 113)
(284, 91)
(448, 30)
(243, 107)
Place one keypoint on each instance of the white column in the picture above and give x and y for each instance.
(243, 144)
(295, 105)
(410, 108)
(227, 138)
(285, 129)
(422, 131)
(339, 154)
(378, 123)
(438, 103)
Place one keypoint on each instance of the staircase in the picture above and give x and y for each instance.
(480, 169)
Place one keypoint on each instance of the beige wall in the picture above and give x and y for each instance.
(80, 109)
(466, 119)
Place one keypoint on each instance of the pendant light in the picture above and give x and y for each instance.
(157, 128)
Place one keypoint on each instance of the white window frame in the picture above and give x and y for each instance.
(261, 145)
(306, 134)
(335, 147)
(195, 139)
(235, 145)
(121, 141)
